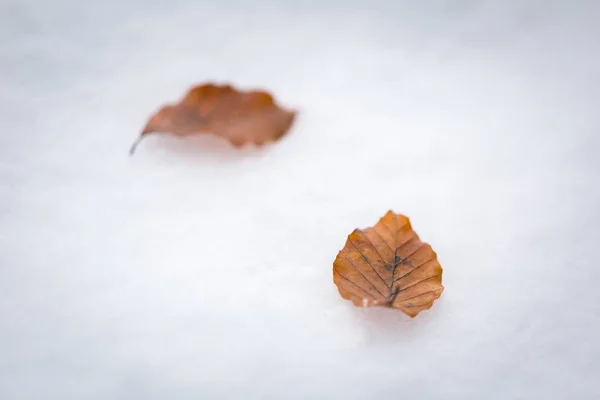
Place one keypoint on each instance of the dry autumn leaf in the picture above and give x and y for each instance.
(388, 265)
(240, 117)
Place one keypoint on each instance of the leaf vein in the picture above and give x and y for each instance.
(414, 284)
(412, 270)
(367, 294)
(367, 261)
(413, 297)
(363, 275)
(383, 240)
(377, 251)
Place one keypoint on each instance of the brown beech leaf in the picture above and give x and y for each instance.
(238, 116)
(388, 265)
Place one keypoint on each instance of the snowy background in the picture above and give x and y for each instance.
(195, 271)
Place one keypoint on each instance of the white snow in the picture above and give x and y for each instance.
(196, 271)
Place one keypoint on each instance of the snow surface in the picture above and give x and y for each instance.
(195, 271)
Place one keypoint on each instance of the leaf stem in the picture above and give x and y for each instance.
(135, 144)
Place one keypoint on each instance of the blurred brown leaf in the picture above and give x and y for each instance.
(238, 116)
(388, 265)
